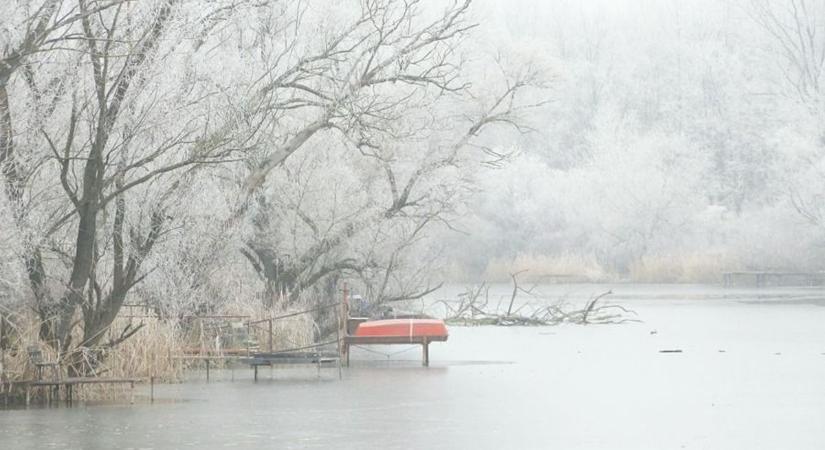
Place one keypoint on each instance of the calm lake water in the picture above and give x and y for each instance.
(751, 375)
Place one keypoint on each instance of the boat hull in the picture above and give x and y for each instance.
(407, 328)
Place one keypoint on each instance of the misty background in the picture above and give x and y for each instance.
(616, 206)
(272, 151)
(681, 140)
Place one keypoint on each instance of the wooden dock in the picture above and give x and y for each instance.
(289, 358)
(423, 341)
(772, 278)
(71, 382)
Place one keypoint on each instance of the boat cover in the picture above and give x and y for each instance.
(402, 327)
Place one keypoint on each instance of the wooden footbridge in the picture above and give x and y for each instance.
(333, 352)
(68, 384)
(757, 278)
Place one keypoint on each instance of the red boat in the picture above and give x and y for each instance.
(433, 329)
(396, 331)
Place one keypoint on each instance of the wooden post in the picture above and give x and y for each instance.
(270, 335)
(152, 389)
(339, 339)
(343, 347)
(2, 348)
(425, 345)
(207, 369)
(131, 393)
(200, 337)
(255, 368)
(248, 338)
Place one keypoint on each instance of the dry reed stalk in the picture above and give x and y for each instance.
(548, 269)
(155, 350)
(693, 267)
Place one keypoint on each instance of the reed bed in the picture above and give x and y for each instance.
(684, 267)
(162, 347)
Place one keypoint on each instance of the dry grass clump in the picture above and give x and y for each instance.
(158, 348)
(20, 333)
(681, 268)
(687, 267)
(151, 352)
(288, 332)
(560, 268)
(145, 354)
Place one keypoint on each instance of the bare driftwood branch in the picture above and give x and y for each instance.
(471, 309)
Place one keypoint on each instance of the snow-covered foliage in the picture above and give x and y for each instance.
(680, 134)
(182, 154)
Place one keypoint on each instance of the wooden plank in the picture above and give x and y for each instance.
(389, 340)
(83, 380)
(205, 357)
(353, 322)
(213, 352)
(328, 354)
(287, 361)
(763, 278)
(290, 358)
(424, 341)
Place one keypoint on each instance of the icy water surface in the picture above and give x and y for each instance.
(750, 375)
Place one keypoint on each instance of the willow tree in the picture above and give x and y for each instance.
(397, 127)
(102, 126)
(110, 111)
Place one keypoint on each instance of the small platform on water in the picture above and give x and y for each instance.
(416, 331)
(289, 358)
(757, 278)
(69, 383)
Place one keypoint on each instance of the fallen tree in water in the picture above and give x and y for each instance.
(473, 308)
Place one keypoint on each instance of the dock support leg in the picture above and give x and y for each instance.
(425, 346)
(346, 352)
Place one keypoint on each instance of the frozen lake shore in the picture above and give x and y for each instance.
(750, 375)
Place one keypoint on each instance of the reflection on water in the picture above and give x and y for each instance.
(749, 376)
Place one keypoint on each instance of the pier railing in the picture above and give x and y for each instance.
(757, 278)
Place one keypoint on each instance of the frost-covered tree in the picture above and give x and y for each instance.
(141, 142)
